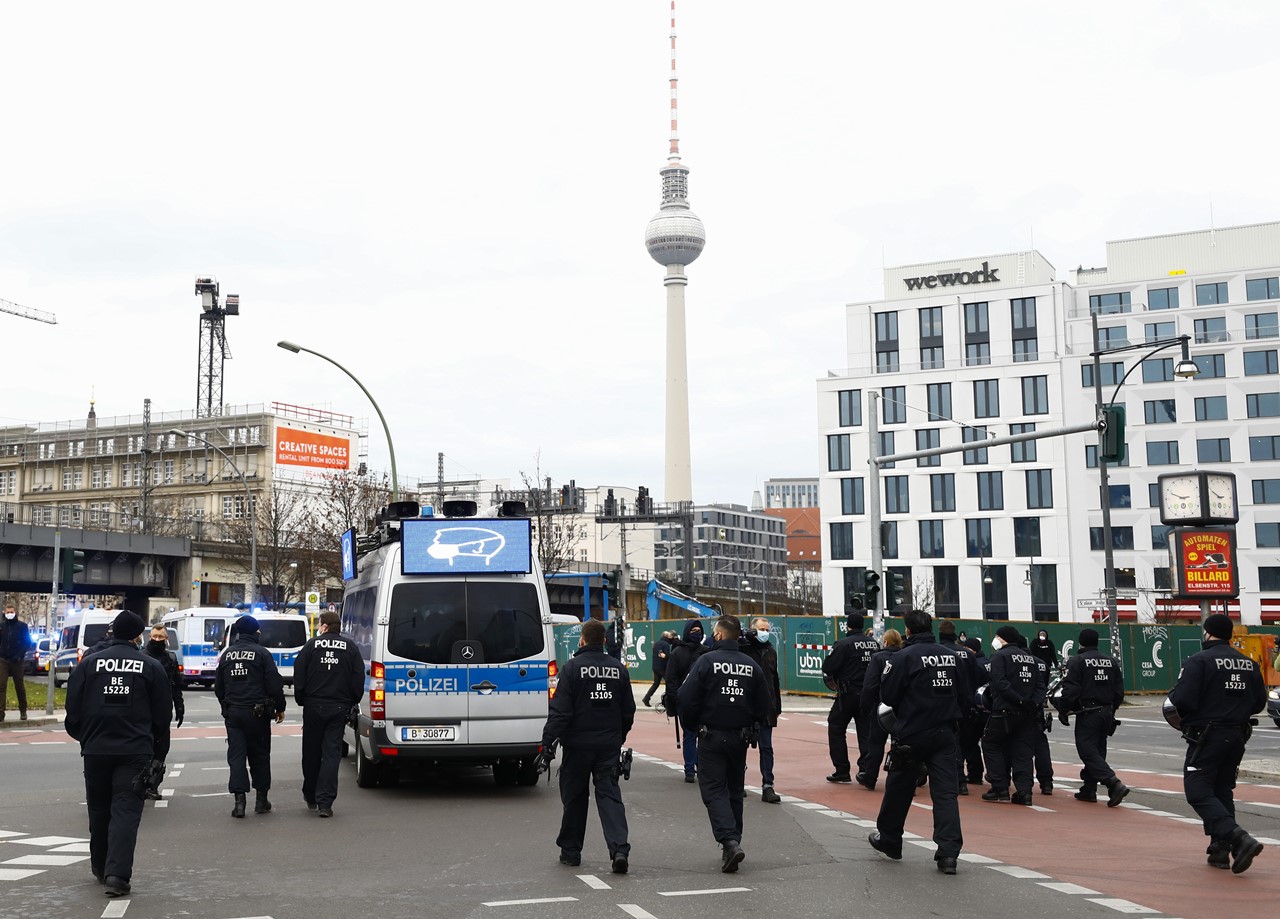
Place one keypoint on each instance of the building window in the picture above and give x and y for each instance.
(1262, 289)
(886, 342)
(897, 498)
(931, 322)
(1044, 592)
(977, 334)
(1104, 304)
(1267, 535)
(894, 404)
(1162, 453)
(1261, 325)
(977, 353)
(95, 477)
(1091, 456)
(1119, 496)
(838, 458)
(886, 327)
(842, 541)
(1158, 331)
(1264, 448)
(1157, 370)
(972, 434)
(1260, 363)
(1115, 336)
(1209, 294)
(1025, 349)
(932, 358)
(66, 480)
(1023, 451)
(939, 395)
(1213, 450)
(1262, 405)
(931, 542)
(1211, 366)
(942, 492)
(1162, 298)
(986, 398)
(928, 439)
(851, 496)
(850, 401)
(1266, 491)
(1039, 488)
(1211, 329)
(977, 535)
(975, 319)
(1160, 536)
(1026, 536)
(990, 491)
(889, 534)
(1211, 408)
(1035, 395)
(1121, 538)
(887, 448)
(1023, 313)
(1112, 373)
(1161, 411)
(886, 362)
(1269, 577)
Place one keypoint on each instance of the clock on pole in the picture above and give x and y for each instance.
(1198, 497)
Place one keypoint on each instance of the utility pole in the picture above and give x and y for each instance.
(52, 683)
(624, 577)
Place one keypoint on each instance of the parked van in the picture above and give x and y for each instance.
(81, 630)
(451, 615)
(199, 631)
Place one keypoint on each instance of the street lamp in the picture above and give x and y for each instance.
(248, 509)
(1185, 369)
(744, 584)
(395, 482)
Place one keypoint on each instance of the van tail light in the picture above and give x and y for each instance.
(553, 677)
(378, 691)
(79, 655)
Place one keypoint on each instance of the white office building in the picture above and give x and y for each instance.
(976, 348)
(788, 493)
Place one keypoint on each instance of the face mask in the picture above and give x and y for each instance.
(695, 636)
(11, 615)
(762, 634)
(997, 643)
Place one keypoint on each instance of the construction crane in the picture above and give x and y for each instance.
(27, 312)
(214, 350)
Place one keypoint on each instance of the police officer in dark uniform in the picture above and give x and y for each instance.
(328, 679)
(685, 652)
(1217, 693)
(924, 685)
(975, 676)
(724, 700)
(844, 671)
(975, 723)
(1017, 703)
(1041, 757)
(591, 714)
(157, 647)
(118, 707)
(249, 686)
(877, 736)
(1092, 690)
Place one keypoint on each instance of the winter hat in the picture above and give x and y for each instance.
(127, 626)
(245, 625)
(1088, 638)
(1008, 634)
(1219, 626)
(855, 623)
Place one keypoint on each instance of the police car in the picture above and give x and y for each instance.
(452, 618)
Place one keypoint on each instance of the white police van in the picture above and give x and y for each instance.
(202, 634)
(451, 615)
(81, 630)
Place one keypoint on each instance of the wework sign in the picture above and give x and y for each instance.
(985, 275)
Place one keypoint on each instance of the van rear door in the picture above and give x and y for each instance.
(425, 660)
(508, 684)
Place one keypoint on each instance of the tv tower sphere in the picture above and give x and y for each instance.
(675, 235)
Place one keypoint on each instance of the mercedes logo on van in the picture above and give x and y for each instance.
(468, 652)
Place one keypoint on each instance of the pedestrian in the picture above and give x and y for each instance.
(843, 671)
(1093, 690)
(118, 708)
(975, 676)
(1041, 757)
(328, 681)
(15, 641)
(686, 651)
(923, 684)
(1042, 646)
(616, 637)
(661, 654)
(757, 645)
(251, 692)
(590, 716)
(1008, 744)
(157, 647)
(724, 700)
(972, 727)
(877, 737)
(1217, 694)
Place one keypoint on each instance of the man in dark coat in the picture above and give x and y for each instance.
(158, 647)
(757, 644)
(686, 651)
(661, 654)
(15, 640)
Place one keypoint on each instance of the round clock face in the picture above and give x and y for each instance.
(1222, 497)
(1180, 497)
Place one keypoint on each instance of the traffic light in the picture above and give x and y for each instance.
(856, 604)
(871, 590)
(72, 564)
(897, 598)
(1113, 417)
(611, 581)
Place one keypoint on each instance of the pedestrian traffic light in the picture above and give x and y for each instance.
(897, 598)
(1113, 448)
(871, 590)
(72, 564)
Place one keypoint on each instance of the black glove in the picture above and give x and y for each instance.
(181, 715)
(1062, 716)
(1115, 723)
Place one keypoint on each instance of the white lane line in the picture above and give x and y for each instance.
(923, 807)
(115, 909)
(636, 912)
(865, 824)
(48, 840)
(9, 834)
(808, 805)
(81, 847)
(1016, 872)
(1258, 803)
(593, 882)
(699, 893)
(214, 768)
(179, 765)
(163, 803)
(530, 902)
(1063, 887)
(167, 792)
(175, 774)
(1122, 906)
(51, 861)
(47, 743)
(212, 794)
(975, 859)
(924, 844)
(1043, 810)
(840, 814)
(18, 874)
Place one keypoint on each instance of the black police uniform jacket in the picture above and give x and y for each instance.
(593, 708)
(329, 668)
(870, 699)
(923, 684)
(159, 651)
(1218, 685)
(845, 668)
(1015, 681)
(724, 690)
(974, 670)
(118, 702)
(685, 651)
(1093, 680)
(247, 675)
(763, 653)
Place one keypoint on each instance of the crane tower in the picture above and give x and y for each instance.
(213, 346)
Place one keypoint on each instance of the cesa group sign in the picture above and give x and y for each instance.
(312, 450)
(1204, 562)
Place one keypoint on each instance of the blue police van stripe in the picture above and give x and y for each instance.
(430, 679)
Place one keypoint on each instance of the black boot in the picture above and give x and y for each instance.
(238, 810)
(1244, 848)
(1219, 853)
(261, 805)
(155, 776)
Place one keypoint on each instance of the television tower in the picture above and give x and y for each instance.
(675, 238)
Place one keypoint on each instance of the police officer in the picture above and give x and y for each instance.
(118, 707)
(924, 685)
(591, 714)
(684, 653)
(756, 644)
(249, 686)
(1092, 690)
(157, 647)
(972, 728)
(1016, 710)
(724, 700)
(975, 676)
(1041, 757)
(873, 755)
(328, 679)
(844, 671)
(1217, 693)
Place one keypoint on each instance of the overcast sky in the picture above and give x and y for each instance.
(450, 199)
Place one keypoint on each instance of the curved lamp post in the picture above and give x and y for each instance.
(395, 482)
(248, 509)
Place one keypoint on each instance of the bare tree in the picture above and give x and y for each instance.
(923, 594)
(282, 530)
(556, 531)
(344, 500)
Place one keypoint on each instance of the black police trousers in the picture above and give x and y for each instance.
(1209, 776)
(872, 754)
(577, 768)
(1093, 727)
(846, 708)
(971, 728)
(936, 751)
(115, 810)
(248, 738)
(1008, 745)
(1042, 758)
(722, 773)
(322, 725)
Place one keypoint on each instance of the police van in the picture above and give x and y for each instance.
(452, 617)
(81, 630)
(202, 634)
(283, 634)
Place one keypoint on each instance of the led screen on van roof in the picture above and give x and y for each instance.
(489, 545)
(349, 555)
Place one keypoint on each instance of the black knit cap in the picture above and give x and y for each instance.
(1219, 626)
(1008, 633)
(1088, 638)
(127, 626)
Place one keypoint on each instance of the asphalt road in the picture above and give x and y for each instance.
(459, 846)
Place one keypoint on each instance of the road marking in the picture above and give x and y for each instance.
(214, 768)
(18, 874)
(51, 861)
(1062, 887)
(808, 805)
(177, 773)
(213, 794)
(48, 840)
(1043, 810)
(593, 882)
(974, 858)
(530, 902)
(1016, 872)
(179, 765)
(162, 803)
(82, 847)
(167, 792)
(115, 909)
(699, 893)
(1122, 906)
(923, 807)
(47, 743)
(636, 912)
(9, 834)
